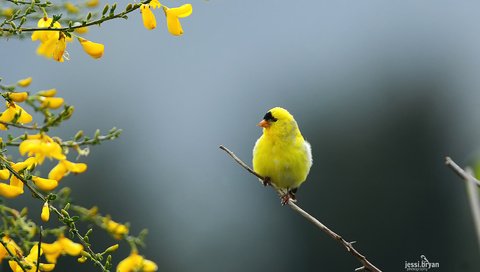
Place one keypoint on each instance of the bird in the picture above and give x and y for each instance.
(281, 155)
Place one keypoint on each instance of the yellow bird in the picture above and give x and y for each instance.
(281, 155)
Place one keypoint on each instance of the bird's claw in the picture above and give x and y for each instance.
(266, 181)
(289, 196)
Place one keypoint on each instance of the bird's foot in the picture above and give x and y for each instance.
(266, 181)
(290, 195)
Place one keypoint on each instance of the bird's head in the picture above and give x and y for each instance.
(278, 121)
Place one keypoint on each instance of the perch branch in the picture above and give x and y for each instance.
(366, 265)
(472, 191)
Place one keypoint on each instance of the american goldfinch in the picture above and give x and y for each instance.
(281, 155)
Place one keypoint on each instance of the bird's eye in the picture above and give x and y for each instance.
(269, 117)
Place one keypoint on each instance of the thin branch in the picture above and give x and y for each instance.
(366, 265)
(39, 248)
(460, 172)
(472, 192)
(73, 27)
(60, 215)
(20, 125)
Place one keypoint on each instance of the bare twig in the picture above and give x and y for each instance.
(472, 191)
(459, 171)
(39, 248)
(366, 265)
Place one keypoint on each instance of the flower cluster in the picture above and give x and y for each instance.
(172, 16)
(36, 147)
(18, 233)
(54, 43)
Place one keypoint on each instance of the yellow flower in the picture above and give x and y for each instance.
(45, 184)
(71, 8)
(42, 146)
(95, 50)
(116, 229)
(92, 3)
(31, 261)
(52, 43)
(135, 262)
(173, 15)
(11, 245)
(155, 4)
(64, 167)
(149, 21)
(18, 97)
(62, 246)
(51, 102)
(45, 215)
(15, 188)
(24, 82)
(12, 112)
(81, 30)
(48, 93)
(44, 35)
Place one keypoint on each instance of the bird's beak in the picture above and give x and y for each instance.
(264, 123)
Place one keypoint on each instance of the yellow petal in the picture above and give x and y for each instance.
(173, 25)
(70, 247)
(149, 21)
(9, 191)
(48, 93)
(52, 251)
(95, 50)
(52, 102)
(149, 266)
(131, 263)
(45, 184)
(92, 3)
(71, 8)
(81, 30)
(46, 267)
(14, 181)
(182, 11)
(4, 174)
(24, 82)
(45, 215)
(59, 49)
(51, 248)
(58, 172)
(75, 167)
(155, 4)
(24, 117)
(8, 115)
(18, 97)
(19, 166)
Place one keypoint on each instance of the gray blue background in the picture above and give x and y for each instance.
(383, 90)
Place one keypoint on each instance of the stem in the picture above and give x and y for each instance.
(472, 192)
(39, 248)
(366, 265)
(71, 28)
(19, 125)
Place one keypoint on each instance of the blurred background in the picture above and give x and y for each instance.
(383, 90)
